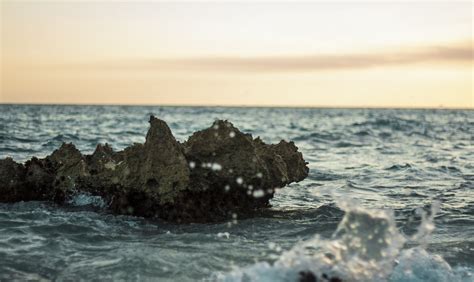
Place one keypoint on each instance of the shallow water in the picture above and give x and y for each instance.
(394, 160)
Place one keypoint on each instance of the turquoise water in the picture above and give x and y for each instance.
(379, 168)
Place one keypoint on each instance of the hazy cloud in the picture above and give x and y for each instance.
(457, 53)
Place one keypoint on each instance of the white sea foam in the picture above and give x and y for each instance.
(223, 235)
(84, 199)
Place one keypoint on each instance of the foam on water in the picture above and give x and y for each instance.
(367, 246)
(84, 199)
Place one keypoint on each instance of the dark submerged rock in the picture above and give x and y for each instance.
(309, 276)
(218, 172)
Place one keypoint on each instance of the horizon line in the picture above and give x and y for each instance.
(242, 106)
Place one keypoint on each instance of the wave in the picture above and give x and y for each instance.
(394, 123)
(319, 175)
(398, 167)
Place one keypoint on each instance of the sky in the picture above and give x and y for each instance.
(308, 54)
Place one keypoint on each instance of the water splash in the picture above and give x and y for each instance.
(367, 246)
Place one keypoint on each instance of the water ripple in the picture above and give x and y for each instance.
(388, 159)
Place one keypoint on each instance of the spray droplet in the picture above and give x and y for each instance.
(216, 167)
(239, 180)
(258, 193)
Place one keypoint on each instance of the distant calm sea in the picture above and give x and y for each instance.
(362, 161)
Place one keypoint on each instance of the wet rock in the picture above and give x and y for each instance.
(153, 174)
(103, 158)
(217, 173)
(39, 180)
(159, 166)
(238, 173)
(69, 165)
(12, 176)
(222, 156)
(32, 181)
(295, 164)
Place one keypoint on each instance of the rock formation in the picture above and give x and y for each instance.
(216, 173)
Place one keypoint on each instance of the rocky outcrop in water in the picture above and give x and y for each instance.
(216, 173)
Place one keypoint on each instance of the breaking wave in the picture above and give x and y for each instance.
(366, 246)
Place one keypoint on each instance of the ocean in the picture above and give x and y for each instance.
(389, 197)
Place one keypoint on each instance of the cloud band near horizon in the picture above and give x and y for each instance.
(454, 53)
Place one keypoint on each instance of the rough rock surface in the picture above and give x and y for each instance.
(216, 173)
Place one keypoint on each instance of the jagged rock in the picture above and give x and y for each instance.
(218, 172)
(154, 174)
(248, 170)
(69, 166)
(295, 164)
(159, 166)
(39, 180)
(103, 158)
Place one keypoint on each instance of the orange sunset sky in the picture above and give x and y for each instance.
(338, 54)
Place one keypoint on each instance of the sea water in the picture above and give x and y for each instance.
(389, 197)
